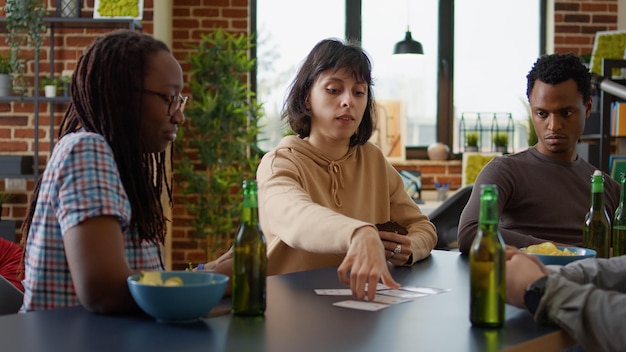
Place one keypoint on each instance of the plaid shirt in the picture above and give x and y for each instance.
(81, 181)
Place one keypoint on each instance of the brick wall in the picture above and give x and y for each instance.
(576, 22)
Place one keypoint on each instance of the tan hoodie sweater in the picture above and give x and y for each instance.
(309, 205)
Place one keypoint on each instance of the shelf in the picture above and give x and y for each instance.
(85, 22)
(31, 99)
(53, 24)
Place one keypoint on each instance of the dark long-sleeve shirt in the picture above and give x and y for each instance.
(539, 199)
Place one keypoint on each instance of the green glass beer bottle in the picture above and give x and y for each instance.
(619, 222)
(487, 259)
(249, 258)
(597, 228)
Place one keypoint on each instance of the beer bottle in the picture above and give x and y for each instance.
(249, 258)
(597, 228)
(619, 222)
(487, 264)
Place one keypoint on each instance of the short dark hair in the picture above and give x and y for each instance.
(336, 55)
(558, 68)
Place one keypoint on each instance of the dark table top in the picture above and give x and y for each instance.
(296, 320)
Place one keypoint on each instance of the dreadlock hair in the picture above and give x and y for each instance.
(105, 100)
(558, 68)
(336, 55)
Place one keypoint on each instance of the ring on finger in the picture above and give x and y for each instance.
(398, 249)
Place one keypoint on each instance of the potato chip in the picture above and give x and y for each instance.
(153, 278)
(173, 281)
(547, 248)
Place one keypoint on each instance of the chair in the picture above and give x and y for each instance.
(10, 297)
(446, 218)
(413, 184)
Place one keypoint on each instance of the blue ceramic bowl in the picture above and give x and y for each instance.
(581, 253)
(199, 293)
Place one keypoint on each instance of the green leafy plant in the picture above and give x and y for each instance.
(471, 139)
(531, 137)
(218, 145)
(25, 28)
(5, 65)
(4, 197)
(50, 81)
(500, 139)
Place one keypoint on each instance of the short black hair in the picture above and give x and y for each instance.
(336, 55)
(558, 68)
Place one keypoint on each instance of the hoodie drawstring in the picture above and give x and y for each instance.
(335, 171)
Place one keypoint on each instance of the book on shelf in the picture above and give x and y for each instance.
(618, 118)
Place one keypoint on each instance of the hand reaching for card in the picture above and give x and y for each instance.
(365, 264)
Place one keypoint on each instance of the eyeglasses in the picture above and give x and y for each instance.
(176, 102)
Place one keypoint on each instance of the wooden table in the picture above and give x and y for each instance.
(299, 320)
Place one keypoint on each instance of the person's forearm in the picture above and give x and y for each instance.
(606, 274)
(593, 317)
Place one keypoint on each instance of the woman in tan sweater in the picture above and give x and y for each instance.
(323, 191)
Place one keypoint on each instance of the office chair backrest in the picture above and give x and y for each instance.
(10, 297)
(446, 218)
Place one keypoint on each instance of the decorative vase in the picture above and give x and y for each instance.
(438, 151)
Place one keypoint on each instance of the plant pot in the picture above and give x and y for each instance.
(471, 149)
(50, 91)
(68, 8)
(5, 85)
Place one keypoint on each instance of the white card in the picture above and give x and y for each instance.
(389, 299)
(402, 294)
(333, 292)
(361, 305)
(425, 290)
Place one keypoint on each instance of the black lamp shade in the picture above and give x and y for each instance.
(408, 46)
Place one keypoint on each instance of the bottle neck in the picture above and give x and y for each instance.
(622, 197)
(250, 215)
(597, 193)
(488, 212)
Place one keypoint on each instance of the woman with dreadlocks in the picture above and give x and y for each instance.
(96, 216)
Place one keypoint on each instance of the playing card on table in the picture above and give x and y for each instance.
(361, 305)
(425, 290)
(402, 294)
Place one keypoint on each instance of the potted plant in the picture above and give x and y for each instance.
(65, 81)
(471, 141)
(218, 145)
(5, 75)
(4, 197)
(25, 28)
(50, 86)
(500, 141)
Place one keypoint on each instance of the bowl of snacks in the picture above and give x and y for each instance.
(177, 296)
(549, 254)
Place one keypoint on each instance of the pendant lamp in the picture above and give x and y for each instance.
(408, 45)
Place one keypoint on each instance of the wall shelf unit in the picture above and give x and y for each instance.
(599, 137)
(53, 24)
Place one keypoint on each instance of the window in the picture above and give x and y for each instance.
(495, 44)
(283, 41)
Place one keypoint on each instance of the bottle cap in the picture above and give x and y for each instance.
(597, 173)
